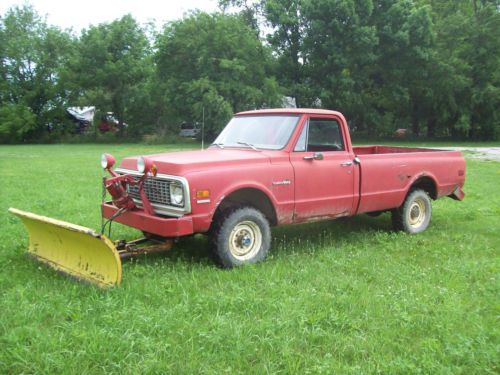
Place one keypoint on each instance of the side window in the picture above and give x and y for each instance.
(320, 135)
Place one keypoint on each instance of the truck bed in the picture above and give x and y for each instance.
(387, 172)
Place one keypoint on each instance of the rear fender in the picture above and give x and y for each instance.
(423, 177)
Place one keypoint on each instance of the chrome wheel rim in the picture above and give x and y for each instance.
(245, 240)
(417, 213)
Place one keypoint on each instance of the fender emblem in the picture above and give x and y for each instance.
(284, 182)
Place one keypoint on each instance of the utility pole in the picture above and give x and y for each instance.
(203, 129)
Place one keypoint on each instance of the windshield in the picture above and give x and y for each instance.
(266, 132)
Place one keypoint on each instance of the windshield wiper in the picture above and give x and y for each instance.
(220, 145)
(249, 145)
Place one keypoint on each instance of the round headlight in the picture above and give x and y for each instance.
(176, 194)
(141, 164)
(107, 161)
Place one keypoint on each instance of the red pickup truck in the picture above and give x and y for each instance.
(272, 167)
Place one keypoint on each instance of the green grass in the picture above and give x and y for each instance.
(345, 296)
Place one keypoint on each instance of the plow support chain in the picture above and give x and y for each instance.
(72, 249)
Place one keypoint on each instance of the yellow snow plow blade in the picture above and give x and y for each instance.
(72, 249)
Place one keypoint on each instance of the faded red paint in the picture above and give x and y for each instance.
(318, 189)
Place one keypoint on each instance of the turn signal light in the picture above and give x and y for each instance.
(203, 194)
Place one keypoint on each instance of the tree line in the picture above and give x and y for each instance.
(431, 66)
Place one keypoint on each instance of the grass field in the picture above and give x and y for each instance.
(345, 296)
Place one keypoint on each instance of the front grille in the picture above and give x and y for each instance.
(157, 190)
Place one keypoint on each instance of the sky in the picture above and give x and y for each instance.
(80, 14)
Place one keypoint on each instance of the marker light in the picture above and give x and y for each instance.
(203, 194)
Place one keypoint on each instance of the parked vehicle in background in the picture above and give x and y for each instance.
(401, 133)
(109, 123)
(82, 117)
(189, 130)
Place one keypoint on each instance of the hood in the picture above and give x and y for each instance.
(181, 163)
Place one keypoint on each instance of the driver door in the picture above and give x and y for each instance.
(324, 178)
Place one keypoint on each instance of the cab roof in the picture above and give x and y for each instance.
(291, 111)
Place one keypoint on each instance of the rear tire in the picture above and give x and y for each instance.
(415, 213)
(240, 236)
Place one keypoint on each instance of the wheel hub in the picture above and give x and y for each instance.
(417, 213)
(245, 240)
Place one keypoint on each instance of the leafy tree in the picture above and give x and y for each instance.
(447, 110)
(112, 66)
(340, 45)
(484, 57)
(214, 62)
(251, 11)
(432, 65)
(32, 95)
(284, 25)
(16, 121)
(287, 39)
(467, 51)
(400, 72)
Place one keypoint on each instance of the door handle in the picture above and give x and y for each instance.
(315, 156)
(346, 164)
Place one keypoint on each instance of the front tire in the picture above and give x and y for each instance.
(415, 213)
(240, 236)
